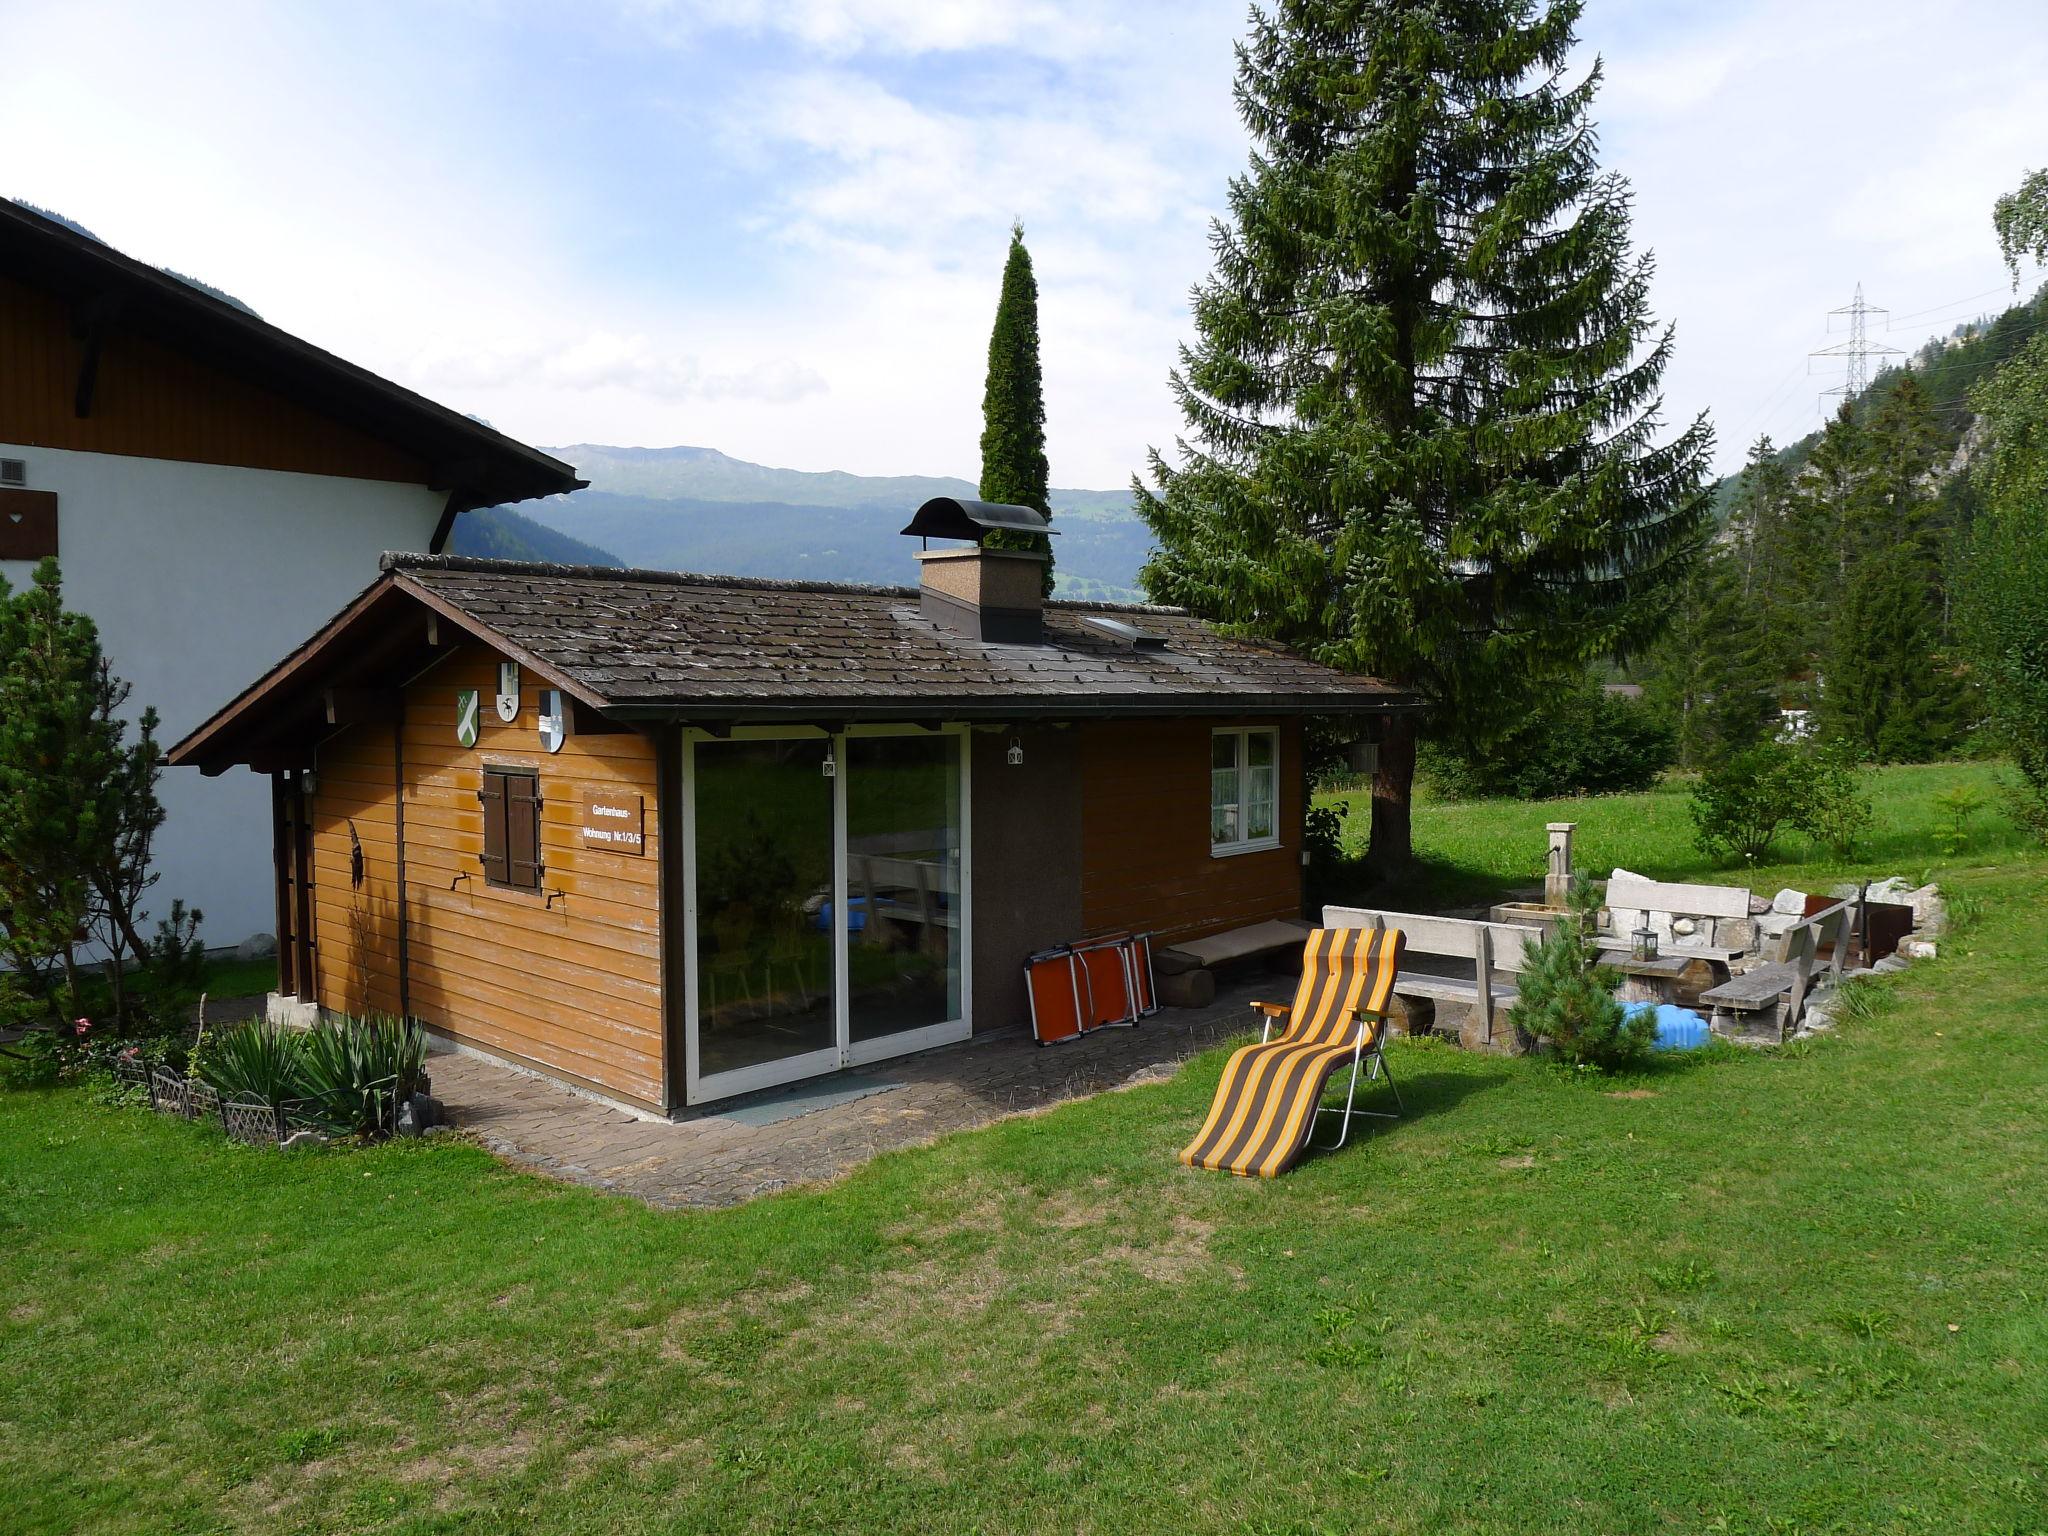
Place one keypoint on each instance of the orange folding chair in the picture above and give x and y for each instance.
(1271, 1093)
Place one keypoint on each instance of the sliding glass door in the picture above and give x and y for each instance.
(825, 916)
(903, 904)
(766, 1009)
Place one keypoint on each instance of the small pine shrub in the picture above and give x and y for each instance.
(1957, 808)
(1566, 996)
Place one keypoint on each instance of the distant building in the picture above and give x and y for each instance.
(210, 485)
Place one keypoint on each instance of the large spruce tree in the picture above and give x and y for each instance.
(1013, 466)
(1422, 402)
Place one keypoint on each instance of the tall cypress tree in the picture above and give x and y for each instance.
(1013, 467)
(1422, 402)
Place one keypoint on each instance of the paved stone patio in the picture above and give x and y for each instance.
(715, 1161)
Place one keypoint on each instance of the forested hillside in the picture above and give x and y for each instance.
(1834, 603)
(499, 533)
(1829, 594)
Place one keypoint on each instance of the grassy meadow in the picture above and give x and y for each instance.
(1803, 1290)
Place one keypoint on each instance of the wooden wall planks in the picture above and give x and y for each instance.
(1145, 855)
(574, 987)
(150, 401)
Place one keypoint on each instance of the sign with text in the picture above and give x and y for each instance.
(614, 821)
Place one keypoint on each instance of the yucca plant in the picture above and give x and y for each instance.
(257, 1063)
(356, 1072)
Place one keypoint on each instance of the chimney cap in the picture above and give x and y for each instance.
(954, 517)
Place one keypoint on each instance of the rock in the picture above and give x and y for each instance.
(1410, 1015)
(1684, 928)
(1776, 925)
(1759, 905)
(1930, 912)
(1889, 889)
(1790, 902)
(1918, 946)
(413, 1117)
(1471, 1031)
(1188, 989)
(1735, 932)
(1891, 963)
(258, 946)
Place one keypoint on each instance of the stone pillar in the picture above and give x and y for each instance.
(1557, 878)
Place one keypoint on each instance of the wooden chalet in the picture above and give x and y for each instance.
(671, 838)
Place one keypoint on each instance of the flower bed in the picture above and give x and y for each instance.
(265, 1085)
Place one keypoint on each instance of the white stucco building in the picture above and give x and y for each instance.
(209, 485)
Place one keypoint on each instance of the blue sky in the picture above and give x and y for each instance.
(777, 229)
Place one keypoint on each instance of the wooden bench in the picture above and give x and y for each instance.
(1724, 929)
(1185, 971)
(1247, 943)
(1765, 1003)
(1490, 948)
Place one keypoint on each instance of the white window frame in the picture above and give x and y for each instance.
(845, 1051)
(1242, 735)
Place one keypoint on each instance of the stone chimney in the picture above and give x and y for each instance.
(984, 594)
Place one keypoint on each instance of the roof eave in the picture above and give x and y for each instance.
(1076, 706)
(479, 465)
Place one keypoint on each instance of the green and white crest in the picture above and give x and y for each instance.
(466, 702)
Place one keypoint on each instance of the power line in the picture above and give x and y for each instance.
(1772, 401)
(1897, 321)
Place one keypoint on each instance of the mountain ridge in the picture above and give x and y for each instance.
(685, 507)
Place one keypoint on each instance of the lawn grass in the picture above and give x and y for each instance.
(1800, 1290)
(228, 977)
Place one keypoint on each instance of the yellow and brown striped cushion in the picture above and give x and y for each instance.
(1265, 1104)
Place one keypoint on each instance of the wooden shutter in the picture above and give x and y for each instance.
(493, 798)
(522, 831)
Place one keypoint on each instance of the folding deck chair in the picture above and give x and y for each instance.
(1271, 1093)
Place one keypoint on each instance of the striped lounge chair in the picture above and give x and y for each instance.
(1271, 1093)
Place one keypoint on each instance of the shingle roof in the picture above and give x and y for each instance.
(648, 642)
(712, 650)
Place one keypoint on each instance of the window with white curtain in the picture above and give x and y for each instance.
(1244, 790)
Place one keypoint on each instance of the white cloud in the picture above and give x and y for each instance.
(778, 229)
(840, 27)
(606, 360)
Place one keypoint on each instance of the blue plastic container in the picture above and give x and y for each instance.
(1678, 1029)
(856, 915)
